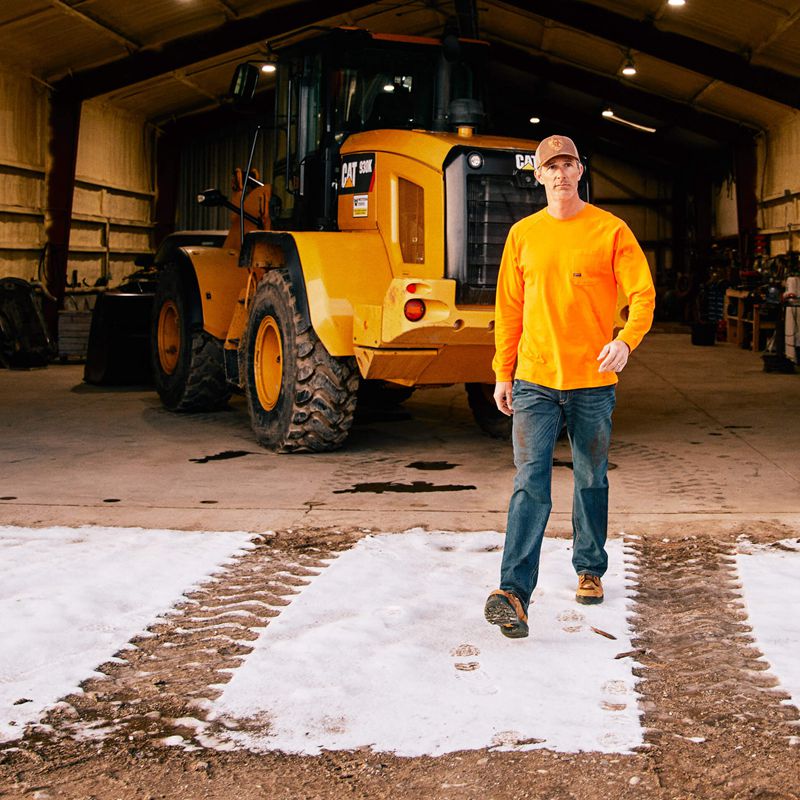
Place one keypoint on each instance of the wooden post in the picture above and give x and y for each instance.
(64, 128)
(746, 200)
(167, 174)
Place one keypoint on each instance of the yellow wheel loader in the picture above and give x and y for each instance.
(371, 256)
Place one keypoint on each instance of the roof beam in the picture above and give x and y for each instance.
(180, 76)
(612, 90)
(684, 51)
(103, 27)
(180, 53)
(226, 8)
(780, 29)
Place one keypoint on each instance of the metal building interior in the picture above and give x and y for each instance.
(114, 116)
(152, 79)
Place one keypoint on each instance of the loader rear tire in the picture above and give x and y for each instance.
(188, 366)
(383, 394)
(300, 398)
(487, 415)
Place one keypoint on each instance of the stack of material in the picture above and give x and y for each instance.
(73, 334)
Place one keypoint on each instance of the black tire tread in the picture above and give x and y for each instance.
(324, 394)
(198, 382)
(487, 416)
(206, 387)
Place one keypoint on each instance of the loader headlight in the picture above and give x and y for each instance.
(475, 160)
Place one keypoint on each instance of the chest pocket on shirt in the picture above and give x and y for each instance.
(585, 267)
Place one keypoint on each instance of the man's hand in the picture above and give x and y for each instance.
(502, 397)
(613, 357)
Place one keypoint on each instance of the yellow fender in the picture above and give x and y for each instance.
(219, 282)
(333, 272)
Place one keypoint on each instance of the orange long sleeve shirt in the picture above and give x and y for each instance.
(557, 295)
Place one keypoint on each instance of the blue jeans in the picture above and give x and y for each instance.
(539, 413)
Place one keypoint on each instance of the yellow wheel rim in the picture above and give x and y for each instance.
(169, 337)
(268, 363)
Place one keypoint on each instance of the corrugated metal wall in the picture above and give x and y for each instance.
(23, 146)
(207, 162)
(779, 186)
(643, 200)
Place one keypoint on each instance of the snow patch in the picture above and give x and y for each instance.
(388, 648)
(770, 576)
(70, 598)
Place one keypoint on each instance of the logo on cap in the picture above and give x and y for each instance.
(556, 143)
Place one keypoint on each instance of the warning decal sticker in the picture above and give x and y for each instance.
(358, 173)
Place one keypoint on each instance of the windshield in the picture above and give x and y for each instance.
(378, 89)
(395, 87)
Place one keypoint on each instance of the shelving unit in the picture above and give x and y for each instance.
(737, 323)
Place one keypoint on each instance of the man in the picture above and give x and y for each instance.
(556, 362)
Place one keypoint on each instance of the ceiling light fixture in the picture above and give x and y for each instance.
(609, 114)
(676, 2)
(268, 67)
(629, 68)
(534, 120)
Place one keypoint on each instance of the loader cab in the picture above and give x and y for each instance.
(349, 81)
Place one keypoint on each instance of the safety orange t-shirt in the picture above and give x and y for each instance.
(557, 296)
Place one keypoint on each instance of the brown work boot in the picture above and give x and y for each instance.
(505, 609)
(590, 590)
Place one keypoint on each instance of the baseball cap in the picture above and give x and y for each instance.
(554, 146)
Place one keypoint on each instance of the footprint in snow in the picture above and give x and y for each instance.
(464, 650)
(574, 620)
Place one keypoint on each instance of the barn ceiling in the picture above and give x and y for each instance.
(705, 75)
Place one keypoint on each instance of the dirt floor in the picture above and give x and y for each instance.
(715, 724)
(705, 450)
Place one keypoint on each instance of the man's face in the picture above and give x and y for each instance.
(560, 176)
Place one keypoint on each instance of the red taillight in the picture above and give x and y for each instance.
(411, 288)
(414, 310)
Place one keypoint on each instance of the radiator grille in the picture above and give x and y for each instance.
(494, 204)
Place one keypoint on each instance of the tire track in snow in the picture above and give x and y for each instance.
(716, 724)
(159, 688)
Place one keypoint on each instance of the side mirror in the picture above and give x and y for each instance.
(211, 198)
(244, 83)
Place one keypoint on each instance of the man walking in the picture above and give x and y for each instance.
(556, 362)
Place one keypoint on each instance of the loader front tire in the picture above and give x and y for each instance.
(188, 367)
(300, 398)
